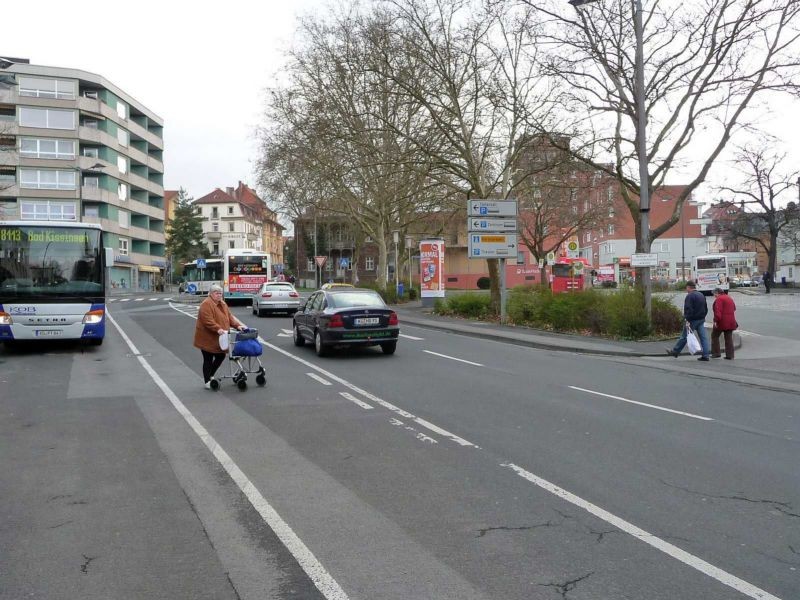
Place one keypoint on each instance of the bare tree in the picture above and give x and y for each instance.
(762, 190)
(333, 132)
(479, 89)
(706, 65)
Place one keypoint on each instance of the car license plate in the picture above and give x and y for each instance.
(367, 321)
(281, 305)
(49, 332)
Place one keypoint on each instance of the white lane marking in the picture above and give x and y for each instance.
(659, 544)
(747, 333)
(469, 362)
(154, 299)
(317, 573)
(124, 300)
(138, 299)
(285, 333)
(695, 562)
(418, 434)
(352, 398)
(318, 378)
(112, 300)
(411, 337)
(677, 412)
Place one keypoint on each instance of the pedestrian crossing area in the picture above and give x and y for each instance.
(161, 298)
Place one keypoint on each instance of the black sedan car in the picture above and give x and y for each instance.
(346, 317)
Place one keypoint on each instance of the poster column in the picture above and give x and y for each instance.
(431, 270)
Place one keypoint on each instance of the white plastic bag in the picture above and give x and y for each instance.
(223, 341)
(691, 341)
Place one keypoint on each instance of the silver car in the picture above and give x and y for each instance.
(275, 296)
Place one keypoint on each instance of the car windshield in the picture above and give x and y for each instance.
(278, 286)
(350, 299)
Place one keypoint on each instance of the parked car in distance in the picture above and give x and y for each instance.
(346, 316)
(333, 286)
(275, 296)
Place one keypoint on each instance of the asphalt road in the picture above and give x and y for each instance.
(457, 468)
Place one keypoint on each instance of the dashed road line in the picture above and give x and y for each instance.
(318, 378)
(411, 337)
(355, 400)
(677, 412)
(469, 362)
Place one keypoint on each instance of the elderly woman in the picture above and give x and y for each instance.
(213, 319)
(724, 323)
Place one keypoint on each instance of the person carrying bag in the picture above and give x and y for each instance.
(695, 310)
(214, 319)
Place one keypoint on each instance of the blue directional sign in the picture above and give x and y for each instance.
(201, 263)
(191, 288)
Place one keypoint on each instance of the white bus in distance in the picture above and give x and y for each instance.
(710, 271)
(244, 271)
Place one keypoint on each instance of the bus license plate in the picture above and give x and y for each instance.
(49, 332)
(367, 321)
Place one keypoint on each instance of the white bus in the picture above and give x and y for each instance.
(244, 271)
(710, 271)
(197, 280)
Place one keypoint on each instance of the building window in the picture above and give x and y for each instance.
(90, 123)
(122, 110)
(587, 237)
(231, 227)
(611, 229)
(370, 263)
(231, 244)
(47, 210)
(122, 137)
(122, 165)
(47, 118)
(608, 248)
(215, 227)
(663, 246)
(214, 213)
(215, 249)
(610, 194)
(92, 182)
(123, 246)
(38, 87)
(91, 211)
(46, 148)
(309, 264)
(230, 210)
(47, 179)
(122, 191)
(124, 219)
(91, 152)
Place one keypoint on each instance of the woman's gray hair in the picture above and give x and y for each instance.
(717, 290)
(214, 287)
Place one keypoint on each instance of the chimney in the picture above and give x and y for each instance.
(229, 190)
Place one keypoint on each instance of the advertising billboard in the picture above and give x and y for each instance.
(431, 267)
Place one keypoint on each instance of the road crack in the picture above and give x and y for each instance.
(566, 587)
(783, 507)
(85, 566)
(484, 531)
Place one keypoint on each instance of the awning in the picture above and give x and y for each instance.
(149, 269)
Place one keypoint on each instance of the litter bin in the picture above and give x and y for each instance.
(400, 290)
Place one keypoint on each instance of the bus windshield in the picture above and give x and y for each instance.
(710, 262)
(50, 263)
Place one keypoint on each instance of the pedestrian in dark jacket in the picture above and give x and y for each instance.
(767, 279)
(695, 310)
(724, 309)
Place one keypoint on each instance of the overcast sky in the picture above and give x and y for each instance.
(203, 67)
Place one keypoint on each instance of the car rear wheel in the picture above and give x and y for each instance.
(298, 338)
(254, 309)
(262, 313)
(319, 347)
(389, 347)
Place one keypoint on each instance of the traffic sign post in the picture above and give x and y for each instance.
(644, 260)
(492, 245)
(495, 225)
(492, 208)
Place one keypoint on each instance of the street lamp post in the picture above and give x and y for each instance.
(641, 144)
(396, 240)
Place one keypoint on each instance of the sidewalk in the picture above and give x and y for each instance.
(414, 314)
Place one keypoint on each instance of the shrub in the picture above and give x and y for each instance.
(666, 318)
(627, 318)
(609, 284)
(680, 285)
(440, 307)
(412, 293)
(484, 283)
(469, 305)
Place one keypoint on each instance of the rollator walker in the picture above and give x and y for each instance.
(243, 359)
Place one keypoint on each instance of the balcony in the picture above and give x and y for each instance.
(213, 235)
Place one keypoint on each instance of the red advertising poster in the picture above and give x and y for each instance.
(431, 266)
(247, 284)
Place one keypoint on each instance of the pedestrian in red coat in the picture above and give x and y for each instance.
(724, 323)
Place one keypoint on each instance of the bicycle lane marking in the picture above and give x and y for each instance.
(323, 580)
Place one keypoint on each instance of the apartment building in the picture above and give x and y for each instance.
(239, 218)
(75, 147)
